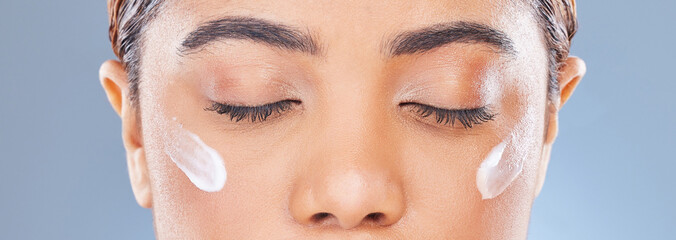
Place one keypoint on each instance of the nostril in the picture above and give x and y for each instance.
(320, 217)
(323, 218)
(374, 217)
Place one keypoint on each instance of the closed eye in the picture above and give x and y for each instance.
(253, 113)
(467, 117)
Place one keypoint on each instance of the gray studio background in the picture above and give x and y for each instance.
(62, 165)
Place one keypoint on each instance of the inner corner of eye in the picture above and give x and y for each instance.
(211, 106)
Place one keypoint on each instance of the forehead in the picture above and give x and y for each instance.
(369, 21)
(393, 11)
(307, 6)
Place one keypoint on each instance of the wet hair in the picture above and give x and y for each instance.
(127, 19)
(558, 20)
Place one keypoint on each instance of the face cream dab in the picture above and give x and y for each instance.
(495, 174)
(200, 163)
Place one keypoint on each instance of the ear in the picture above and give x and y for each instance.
(113, 78)
(570, 74)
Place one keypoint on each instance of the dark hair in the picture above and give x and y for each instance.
(126, 23)
(557, 19)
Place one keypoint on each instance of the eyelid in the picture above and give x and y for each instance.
(260, 112)
(467, 117)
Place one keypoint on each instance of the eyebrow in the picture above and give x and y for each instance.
(247, 28)
(420, 41)
(286, 37)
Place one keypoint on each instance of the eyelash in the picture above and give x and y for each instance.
(261, 112)
(467, 117)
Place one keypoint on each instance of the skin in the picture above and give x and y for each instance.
(349, 149)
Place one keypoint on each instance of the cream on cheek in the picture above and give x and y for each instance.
(495, 173)
(504, 162)
(200, 163)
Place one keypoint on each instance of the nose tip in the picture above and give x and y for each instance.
(348, 201)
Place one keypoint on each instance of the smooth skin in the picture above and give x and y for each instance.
(349, 162)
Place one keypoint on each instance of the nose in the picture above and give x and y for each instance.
(348, 199)
(351, 180)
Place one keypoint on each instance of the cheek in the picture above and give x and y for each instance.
(176, 183)
(527, 101)
(525, 106)
(257, 173)
(444, 169)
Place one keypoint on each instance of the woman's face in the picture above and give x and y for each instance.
(355, 149)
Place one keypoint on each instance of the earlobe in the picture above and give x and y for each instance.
(113, 78)
(570, 74)
(550, 135)
(138, 175)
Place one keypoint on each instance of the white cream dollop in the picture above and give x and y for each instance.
(495, 174)
(200, 163)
